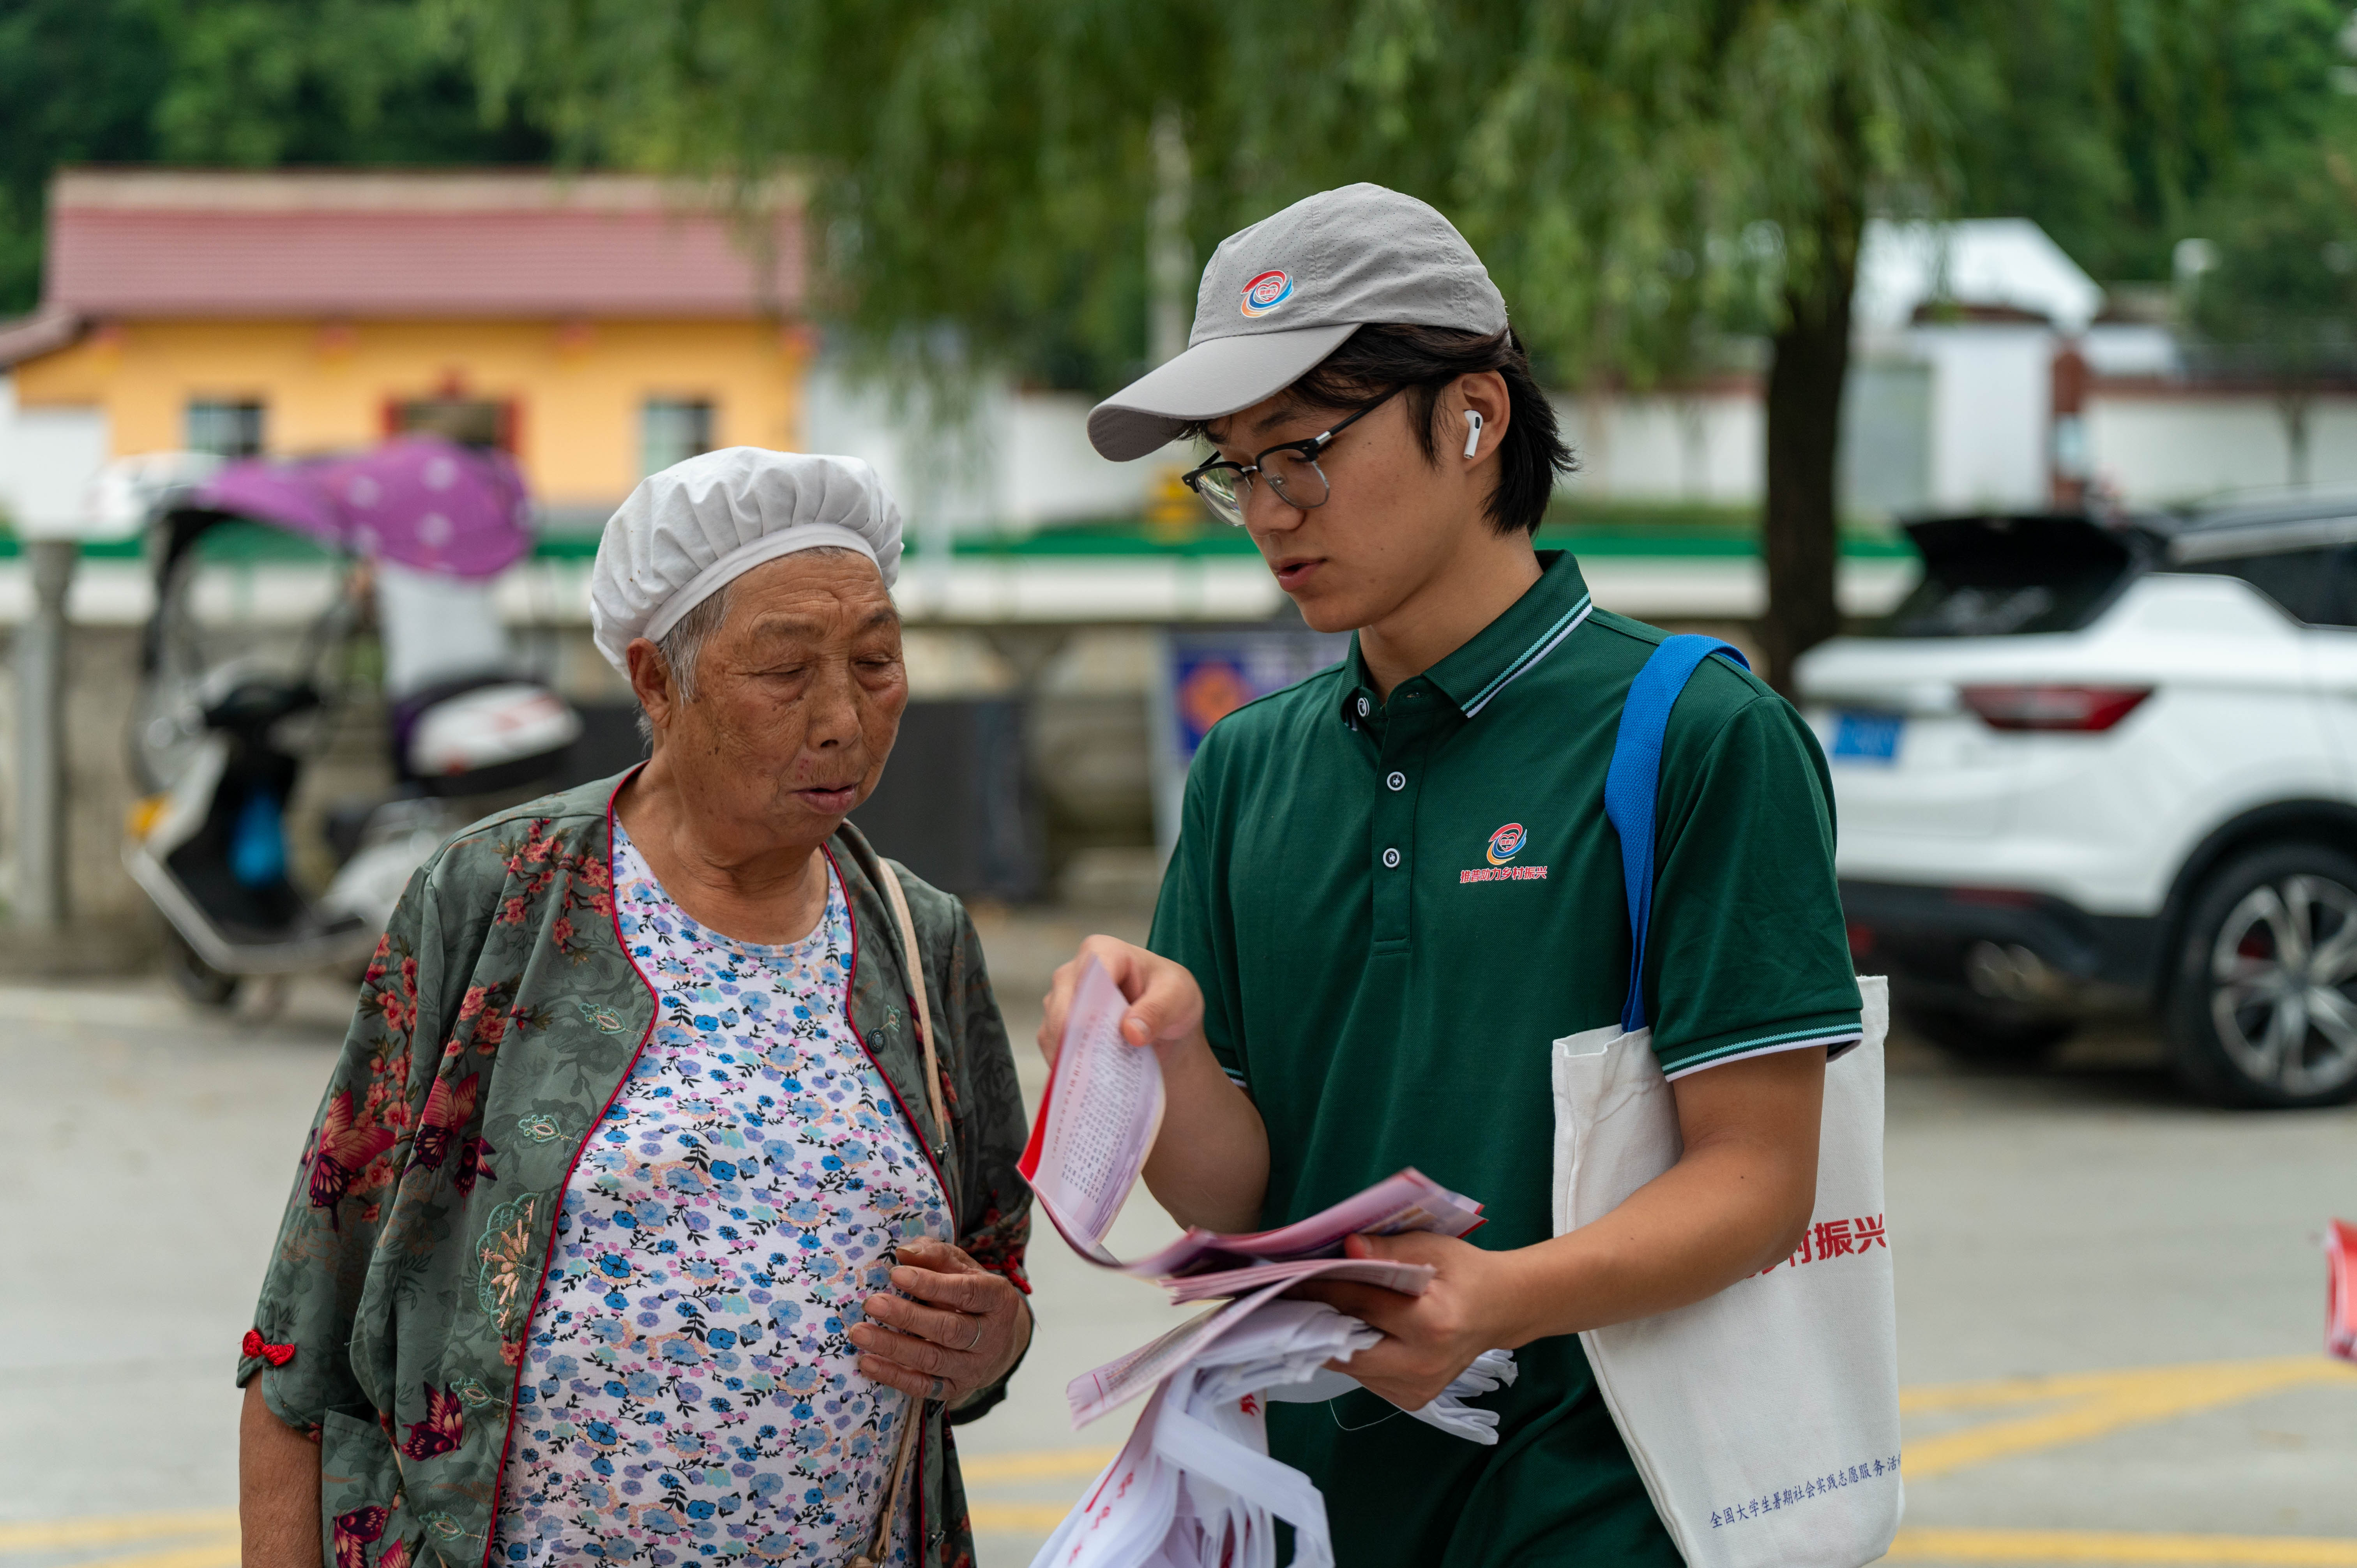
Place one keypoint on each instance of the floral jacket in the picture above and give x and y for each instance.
(497, 1021)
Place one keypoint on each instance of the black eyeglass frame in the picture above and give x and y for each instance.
(1310, 446)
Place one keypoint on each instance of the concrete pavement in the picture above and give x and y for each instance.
(2110, 1300)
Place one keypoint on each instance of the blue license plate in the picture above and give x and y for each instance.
(1867, 737)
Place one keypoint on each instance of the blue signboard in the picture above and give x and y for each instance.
(1213, 673)
(1209, 674)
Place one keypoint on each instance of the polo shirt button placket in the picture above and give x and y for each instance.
(1405, 738)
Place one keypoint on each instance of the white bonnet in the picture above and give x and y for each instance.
(689, 531)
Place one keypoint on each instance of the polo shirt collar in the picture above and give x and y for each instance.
(1530, 630)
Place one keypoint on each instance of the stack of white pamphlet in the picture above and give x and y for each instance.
(1194, 1487)
(1195, 1484)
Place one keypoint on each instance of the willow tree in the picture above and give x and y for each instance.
(2273, 297)
(1646, 178)
(989, 181)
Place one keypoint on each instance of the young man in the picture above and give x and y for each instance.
(1396, 886)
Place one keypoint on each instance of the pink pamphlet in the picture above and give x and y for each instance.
(1096, 1126)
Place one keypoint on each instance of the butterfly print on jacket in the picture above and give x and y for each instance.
(339, 1152)
(445, 1424)
(446, 1109)
(354, 1532)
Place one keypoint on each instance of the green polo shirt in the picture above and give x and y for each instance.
(1395, 907)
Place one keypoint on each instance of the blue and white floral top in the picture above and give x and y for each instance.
(690, 1395)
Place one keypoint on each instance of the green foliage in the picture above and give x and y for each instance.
(981, 167)
(1631, 172)
(2110, 122)
(253, 83)
(1639, 175)
(259, 82)
(2280, 297)
(78, 81)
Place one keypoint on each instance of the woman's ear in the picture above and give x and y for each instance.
(651, 680)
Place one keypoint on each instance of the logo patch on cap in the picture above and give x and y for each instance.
(1266, 292)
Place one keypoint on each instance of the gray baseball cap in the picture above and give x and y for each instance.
(1281, 296)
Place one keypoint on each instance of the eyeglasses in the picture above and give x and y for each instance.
(1291, 470)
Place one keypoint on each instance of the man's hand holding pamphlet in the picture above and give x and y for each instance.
(1095, 1128)
(1195, 1478)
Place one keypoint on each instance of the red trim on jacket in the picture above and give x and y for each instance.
(507, 1436)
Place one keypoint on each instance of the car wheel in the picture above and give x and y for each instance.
(195, 979)
(1990, 1037)
(2265, 1007)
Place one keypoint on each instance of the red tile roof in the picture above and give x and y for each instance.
(148, 243)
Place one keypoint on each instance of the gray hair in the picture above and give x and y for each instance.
(681, 649)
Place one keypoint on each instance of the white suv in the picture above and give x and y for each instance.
(2088, 765)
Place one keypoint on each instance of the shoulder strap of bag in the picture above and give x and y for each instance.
(880, 1547)
(914, 962)
(879, 1544)
(1633, 783)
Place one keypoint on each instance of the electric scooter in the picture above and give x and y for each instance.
(220, 735)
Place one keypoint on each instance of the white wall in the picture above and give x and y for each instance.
(1047, 471)
(1704, 446)
(1961, 420)
(1992, 400)
(2159, 445)
(1024, 461)
(2131, 348)
(48, 458)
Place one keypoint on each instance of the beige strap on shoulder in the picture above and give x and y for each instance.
(915, 957)
(879, 1551)
(879, 1546)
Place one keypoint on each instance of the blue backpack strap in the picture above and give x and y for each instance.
(1633, 781)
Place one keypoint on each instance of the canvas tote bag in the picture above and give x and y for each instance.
(1765, 1419)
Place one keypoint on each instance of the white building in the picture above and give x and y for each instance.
(48, 458)
(1976, 311)
(1984, 373)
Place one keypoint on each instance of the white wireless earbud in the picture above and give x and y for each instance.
(1473, 432)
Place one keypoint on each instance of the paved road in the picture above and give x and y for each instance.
(2110, 1300)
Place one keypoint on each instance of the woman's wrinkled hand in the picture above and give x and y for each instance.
(955, 1328)
(1166, 1005)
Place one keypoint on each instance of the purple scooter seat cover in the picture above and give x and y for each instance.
(420, 500)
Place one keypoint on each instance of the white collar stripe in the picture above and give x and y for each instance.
(1536, 651)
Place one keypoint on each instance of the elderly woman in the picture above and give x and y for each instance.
(662, 1206)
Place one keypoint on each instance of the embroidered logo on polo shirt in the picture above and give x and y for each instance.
(1504, 845)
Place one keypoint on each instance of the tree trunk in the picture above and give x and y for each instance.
(2292, 404)
(1800, 537)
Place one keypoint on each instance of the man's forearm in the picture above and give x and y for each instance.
(1734, 1202)
(277, 1490)
(1210, 1165)
(1709, 1221)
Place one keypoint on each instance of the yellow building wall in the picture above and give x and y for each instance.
(579, 387)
